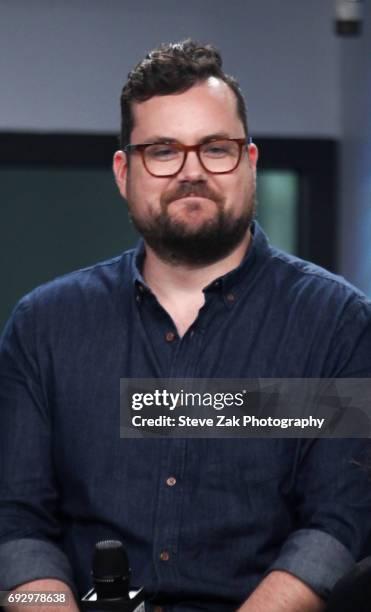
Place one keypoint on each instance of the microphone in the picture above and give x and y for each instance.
(111, 580)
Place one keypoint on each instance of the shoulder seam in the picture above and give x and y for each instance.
(324, 274)
(73, 273)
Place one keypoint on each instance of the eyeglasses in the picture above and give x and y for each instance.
(166, 159)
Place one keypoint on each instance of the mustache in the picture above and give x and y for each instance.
(185, 190)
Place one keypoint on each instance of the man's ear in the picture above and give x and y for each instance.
(253, 155)
(120, 170)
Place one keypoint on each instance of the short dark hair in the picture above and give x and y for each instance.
(173, 68)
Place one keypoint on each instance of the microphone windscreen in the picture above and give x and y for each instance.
(110, 560)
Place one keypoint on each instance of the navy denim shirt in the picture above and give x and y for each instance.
(203, 520)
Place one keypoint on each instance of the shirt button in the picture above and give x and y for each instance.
(230, 297)
(169, 336)
(171, 481)
(141, 288)
(164, 555)
(138, 299)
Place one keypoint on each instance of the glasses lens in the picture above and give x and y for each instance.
(220, 155)
(163, 159)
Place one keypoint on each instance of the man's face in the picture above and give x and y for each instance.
(194, 217)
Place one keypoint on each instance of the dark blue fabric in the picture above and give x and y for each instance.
(239, 507)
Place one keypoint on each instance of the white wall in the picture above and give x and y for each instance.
(63, 62)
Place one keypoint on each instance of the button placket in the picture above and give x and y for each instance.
(169, 509)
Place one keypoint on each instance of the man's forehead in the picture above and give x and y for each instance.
(215, 84)
(206, 100)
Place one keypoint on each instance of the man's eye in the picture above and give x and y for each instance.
(215, 150)
(162, 152)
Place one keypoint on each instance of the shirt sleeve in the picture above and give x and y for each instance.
(315, 557)
(333, 481)
(333, 509)
(27, 559)
(349, 353)
(29, 525)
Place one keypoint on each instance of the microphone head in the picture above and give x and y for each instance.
(111, 571)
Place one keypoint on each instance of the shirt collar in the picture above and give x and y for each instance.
(137, 263)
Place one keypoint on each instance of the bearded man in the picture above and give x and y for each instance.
(209, 524)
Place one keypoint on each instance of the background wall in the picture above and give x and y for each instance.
(355, 165)
(62, 64)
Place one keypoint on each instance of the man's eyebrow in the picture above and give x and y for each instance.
(216, 136)
(168, 139)
(161, 139)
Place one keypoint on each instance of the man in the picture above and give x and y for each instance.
(208, 524)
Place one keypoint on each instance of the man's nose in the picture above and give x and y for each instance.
(192, 169)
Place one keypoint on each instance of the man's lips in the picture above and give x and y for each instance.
(194, 198)
(188, 195)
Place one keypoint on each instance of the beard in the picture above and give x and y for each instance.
(179, 243)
